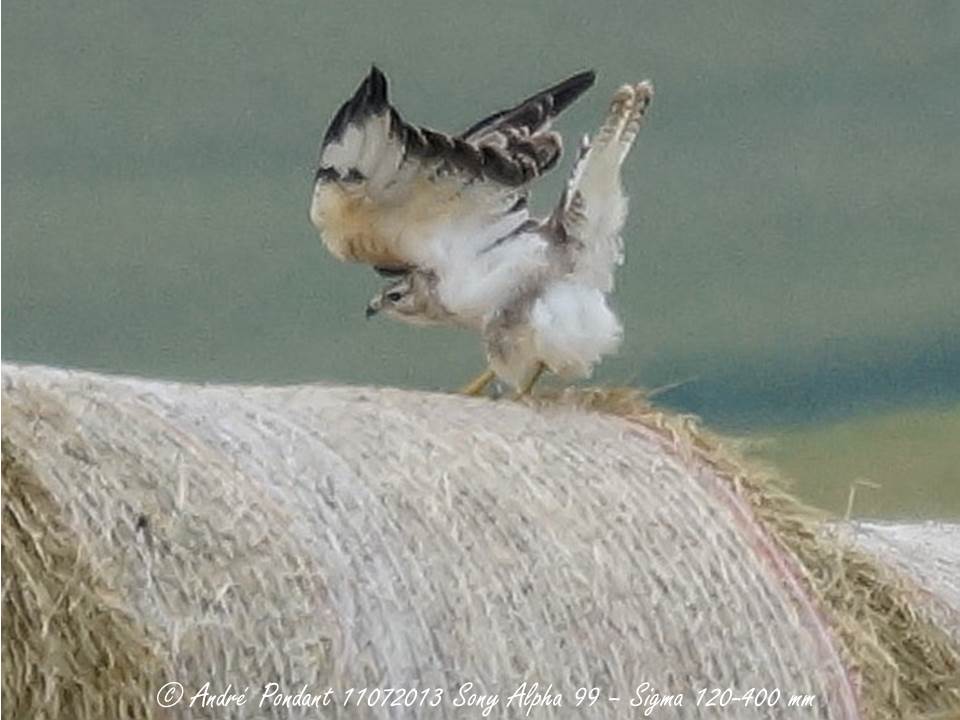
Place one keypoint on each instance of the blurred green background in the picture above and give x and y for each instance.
(793, 244)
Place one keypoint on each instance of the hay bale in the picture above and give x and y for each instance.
(334, 537)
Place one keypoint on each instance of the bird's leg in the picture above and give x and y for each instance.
(476, 386)
(528, 385)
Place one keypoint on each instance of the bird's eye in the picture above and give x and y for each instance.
(394, 296)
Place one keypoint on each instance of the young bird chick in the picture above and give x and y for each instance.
(553, 312)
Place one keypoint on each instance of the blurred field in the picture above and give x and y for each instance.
(792, 239)
(914, 455)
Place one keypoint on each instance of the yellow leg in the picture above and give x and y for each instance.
(528, 386)
(476, 386)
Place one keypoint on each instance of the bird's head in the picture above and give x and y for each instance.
(410, 298)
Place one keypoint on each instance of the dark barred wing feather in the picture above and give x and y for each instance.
(384, 188)
(505, 147)
(523, 129)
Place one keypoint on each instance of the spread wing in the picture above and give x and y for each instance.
(593, 208)
(394, 195)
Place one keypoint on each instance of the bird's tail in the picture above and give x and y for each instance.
(593, 207)
(603, 155)
(628, 108)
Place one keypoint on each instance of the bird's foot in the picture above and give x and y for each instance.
(475, 387)
(524, 390)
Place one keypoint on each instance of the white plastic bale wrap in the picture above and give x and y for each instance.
(346, 537)
(929, 555)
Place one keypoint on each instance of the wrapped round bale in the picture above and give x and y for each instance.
(318, 551)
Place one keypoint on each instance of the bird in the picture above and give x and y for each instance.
(550, 279)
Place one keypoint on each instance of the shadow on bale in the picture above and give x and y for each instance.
(70, 648)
